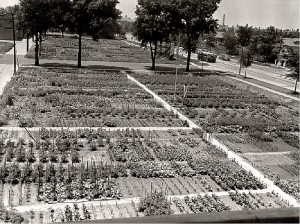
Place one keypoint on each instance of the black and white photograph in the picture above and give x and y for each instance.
(149, 111)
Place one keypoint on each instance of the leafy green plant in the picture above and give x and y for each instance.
(155, 204)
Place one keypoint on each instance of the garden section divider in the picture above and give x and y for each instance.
(164, 103)
(96, 128)
(230, 154)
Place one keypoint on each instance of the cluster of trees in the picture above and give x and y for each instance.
(261, 43)
(92, 17)
(161, 20)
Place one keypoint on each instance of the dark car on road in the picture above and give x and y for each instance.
(206, 56)
(224, 57)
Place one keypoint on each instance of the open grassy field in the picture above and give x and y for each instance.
(102, 50)
(5, 47)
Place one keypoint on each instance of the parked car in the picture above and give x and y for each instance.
(224, 57)
(206, 56)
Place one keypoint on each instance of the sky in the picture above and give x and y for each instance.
(283, 14)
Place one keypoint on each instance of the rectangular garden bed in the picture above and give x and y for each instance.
(57, 97)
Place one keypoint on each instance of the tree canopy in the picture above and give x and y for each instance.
(246, 60)
(154, 23)
(36, 19)
(80, 16)
(230, 42)
(157, 20)
(294, 65)
(196, 18)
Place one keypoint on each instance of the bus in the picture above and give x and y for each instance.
(206, 56)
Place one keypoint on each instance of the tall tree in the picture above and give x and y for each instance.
(294, 64)
(230, 42)
(91, 16)
(60, 12)
(196, 19)
(211, 41)
(254, 44)
(267, 44)
(246, 60)
(244, 37)
(36, 18)
(153, 24)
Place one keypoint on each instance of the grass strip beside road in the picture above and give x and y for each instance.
(267, 85)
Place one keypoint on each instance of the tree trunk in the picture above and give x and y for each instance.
(153, 54)
(296, 85)
(189, 55)
(27, 46)
(79, 51)
(37, 63)
(40, 39)
(241, 61)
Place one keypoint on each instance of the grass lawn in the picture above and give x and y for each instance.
(5, 47)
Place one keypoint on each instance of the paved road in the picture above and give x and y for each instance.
(270, 74)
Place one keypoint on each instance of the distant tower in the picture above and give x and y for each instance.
(223, 19)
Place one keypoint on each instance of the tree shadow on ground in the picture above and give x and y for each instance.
(100, 67)
(173, 69)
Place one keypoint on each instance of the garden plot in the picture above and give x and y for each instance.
(94, 164)
(80, 98)
(102, 50)
(244, 120)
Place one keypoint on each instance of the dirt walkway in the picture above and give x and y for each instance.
(95, 128)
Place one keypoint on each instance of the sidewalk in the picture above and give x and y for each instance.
(7, 62)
